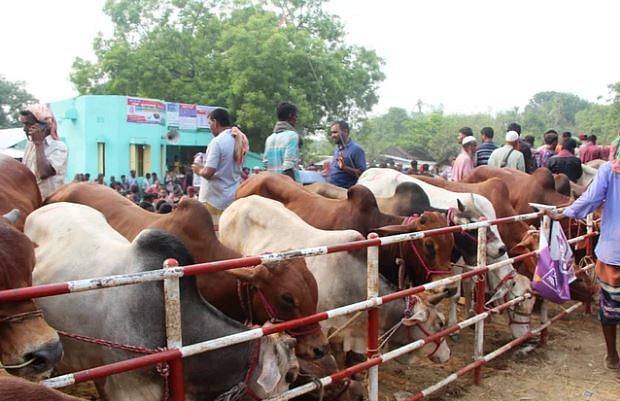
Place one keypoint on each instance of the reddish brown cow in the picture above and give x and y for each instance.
(361, 213)
(288, 287)
(14, 389)
(538, 187)
(24, 334)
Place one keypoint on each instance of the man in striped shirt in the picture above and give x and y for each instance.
(486, 148)
(282, 146)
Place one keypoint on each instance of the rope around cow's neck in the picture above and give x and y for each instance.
(18, 366)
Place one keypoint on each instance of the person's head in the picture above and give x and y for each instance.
(112, 179)
(469, 144)
(191, 191)
(529, 139)
(147, 206)
(583, 138)
(592, 138)
(287, 111)
(219, 120)
(164, 207)
(464, 132)
(256, 170)
(339, 131)
(414, 164)
(569, 145)
(566, 135)
(87, 177)
(512, 137)
(147, 176)
(132, 173)
(39, 114)
(514, 127)
(551, 138)
(487, 133)
(123, 178)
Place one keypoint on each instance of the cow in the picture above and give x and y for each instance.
(15, 389)
(589, 172)
(75, 242)
(423, 260)
(518, 236)
(538, 187)
(341, 276)
(29, 347)
(503, 283)
(287, 287)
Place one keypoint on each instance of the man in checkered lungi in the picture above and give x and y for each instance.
(605, 190)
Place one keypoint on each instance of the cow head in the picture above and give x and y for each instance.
(28, 346)
(346, 390)
(427, 258)
(420, 320)
(277, 366)
(283, 291)
(529, 243)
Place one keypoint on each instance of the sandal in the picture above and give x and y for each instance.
(612, 366)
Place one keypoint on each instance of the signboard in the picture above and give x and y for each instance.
(203, 115)
(144, 111)
(188, 116)
(172, 114)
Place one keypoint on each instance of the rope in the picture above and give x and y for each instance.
(344, 326)
(20, 317)
(18, 366)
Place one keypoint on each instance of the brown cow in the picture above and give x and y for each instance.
(361, 213)
(538, 187)
(288, 287)
(14, 389)
(24, 334)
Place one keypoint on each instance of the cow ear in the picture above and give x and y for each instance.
(518, 249)
(420, 315)
(250, 275)
(460, 205)
(269, 374)
(389, 230)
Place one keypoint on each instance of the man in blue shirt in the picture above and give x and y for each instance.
(604, 190)
(349, 160)
(282, 146)
(486, 147)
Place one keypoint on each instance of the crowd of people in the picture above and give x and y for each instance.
(560, 153)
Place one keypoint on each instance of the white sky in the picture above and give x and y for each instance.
(469, 56)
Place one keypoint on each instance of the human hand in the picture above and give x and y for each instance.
(553, 214)
(196, 168)
(37, 133)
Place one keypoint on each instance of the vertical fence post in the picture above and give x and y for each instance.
(373, 318)
(545, 229)
(589, 229)
(172, 296)
(479, 305)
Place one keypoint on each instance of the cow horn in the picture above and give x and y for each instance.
(460, 205)
(435, 299)
(12, 216)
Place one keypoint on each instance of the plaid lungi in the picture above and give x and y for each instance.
(608, 277)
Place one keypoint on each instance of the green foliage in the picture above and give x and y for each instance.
(552, 110)
(13, 98)
(244, 55)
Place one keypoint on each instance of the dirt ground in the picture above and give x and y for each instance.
(568, 368)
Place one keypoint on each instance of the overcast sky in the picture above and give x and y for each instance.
(469, 56)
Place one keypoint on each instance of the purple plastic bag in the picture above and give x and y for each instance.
(554, 270)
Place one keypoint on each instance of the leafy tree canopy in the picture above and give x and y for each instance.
(13, 98)
(244, 55)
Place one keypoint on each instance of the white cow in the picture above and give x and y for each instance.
(75, 242)
(382, 182)
(255, 224)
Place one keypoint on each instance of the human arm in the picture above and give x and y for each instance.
(45, 168)
(291, 155)
(591, 199)
(211, 163)
(358, 159)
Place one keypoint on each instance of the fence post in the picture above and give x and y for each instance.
(589, 230)
(172, 296)
(373, 318)
(479, 305)
(545, 229)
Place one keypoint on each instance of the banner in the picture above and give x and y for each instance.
(172, 114)
(187, 116)
(203, 115)
(145, 111)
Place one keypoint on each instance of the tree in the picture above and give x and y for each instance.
(552, 110)
(13, 98)
(243, 55)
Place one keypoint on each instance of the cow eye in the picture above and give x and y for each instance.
(429, 246)
(288, 299)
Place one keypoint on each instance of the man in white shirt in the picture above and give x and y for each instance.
(45, 154)
(508, 155)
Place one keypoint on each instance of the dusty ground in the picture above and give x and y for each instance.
(568, 368)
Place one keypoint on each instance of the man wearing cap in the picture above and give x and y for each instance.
(508, 155)
(524, 147)
(45, 154)
(464, 162)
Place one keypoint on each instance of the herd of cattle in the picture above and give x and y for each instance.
(86, 230)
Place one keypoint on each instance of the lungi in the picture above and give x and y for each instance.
(608, 277)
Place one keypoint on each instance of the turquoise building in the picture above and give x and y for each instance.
(112, 135)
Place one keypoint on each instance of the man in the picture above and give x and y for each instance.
(604, 190)
(45, 154)
(282, 146)
(590, 150)
(464, 132)
(583, 139)
(464, 162)
(349, 159)
(508, 155)
(566, 162)
(132, 179)
(523, 147)
(486, 148)
(614, 150)
(548, 149)
(221, 174)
